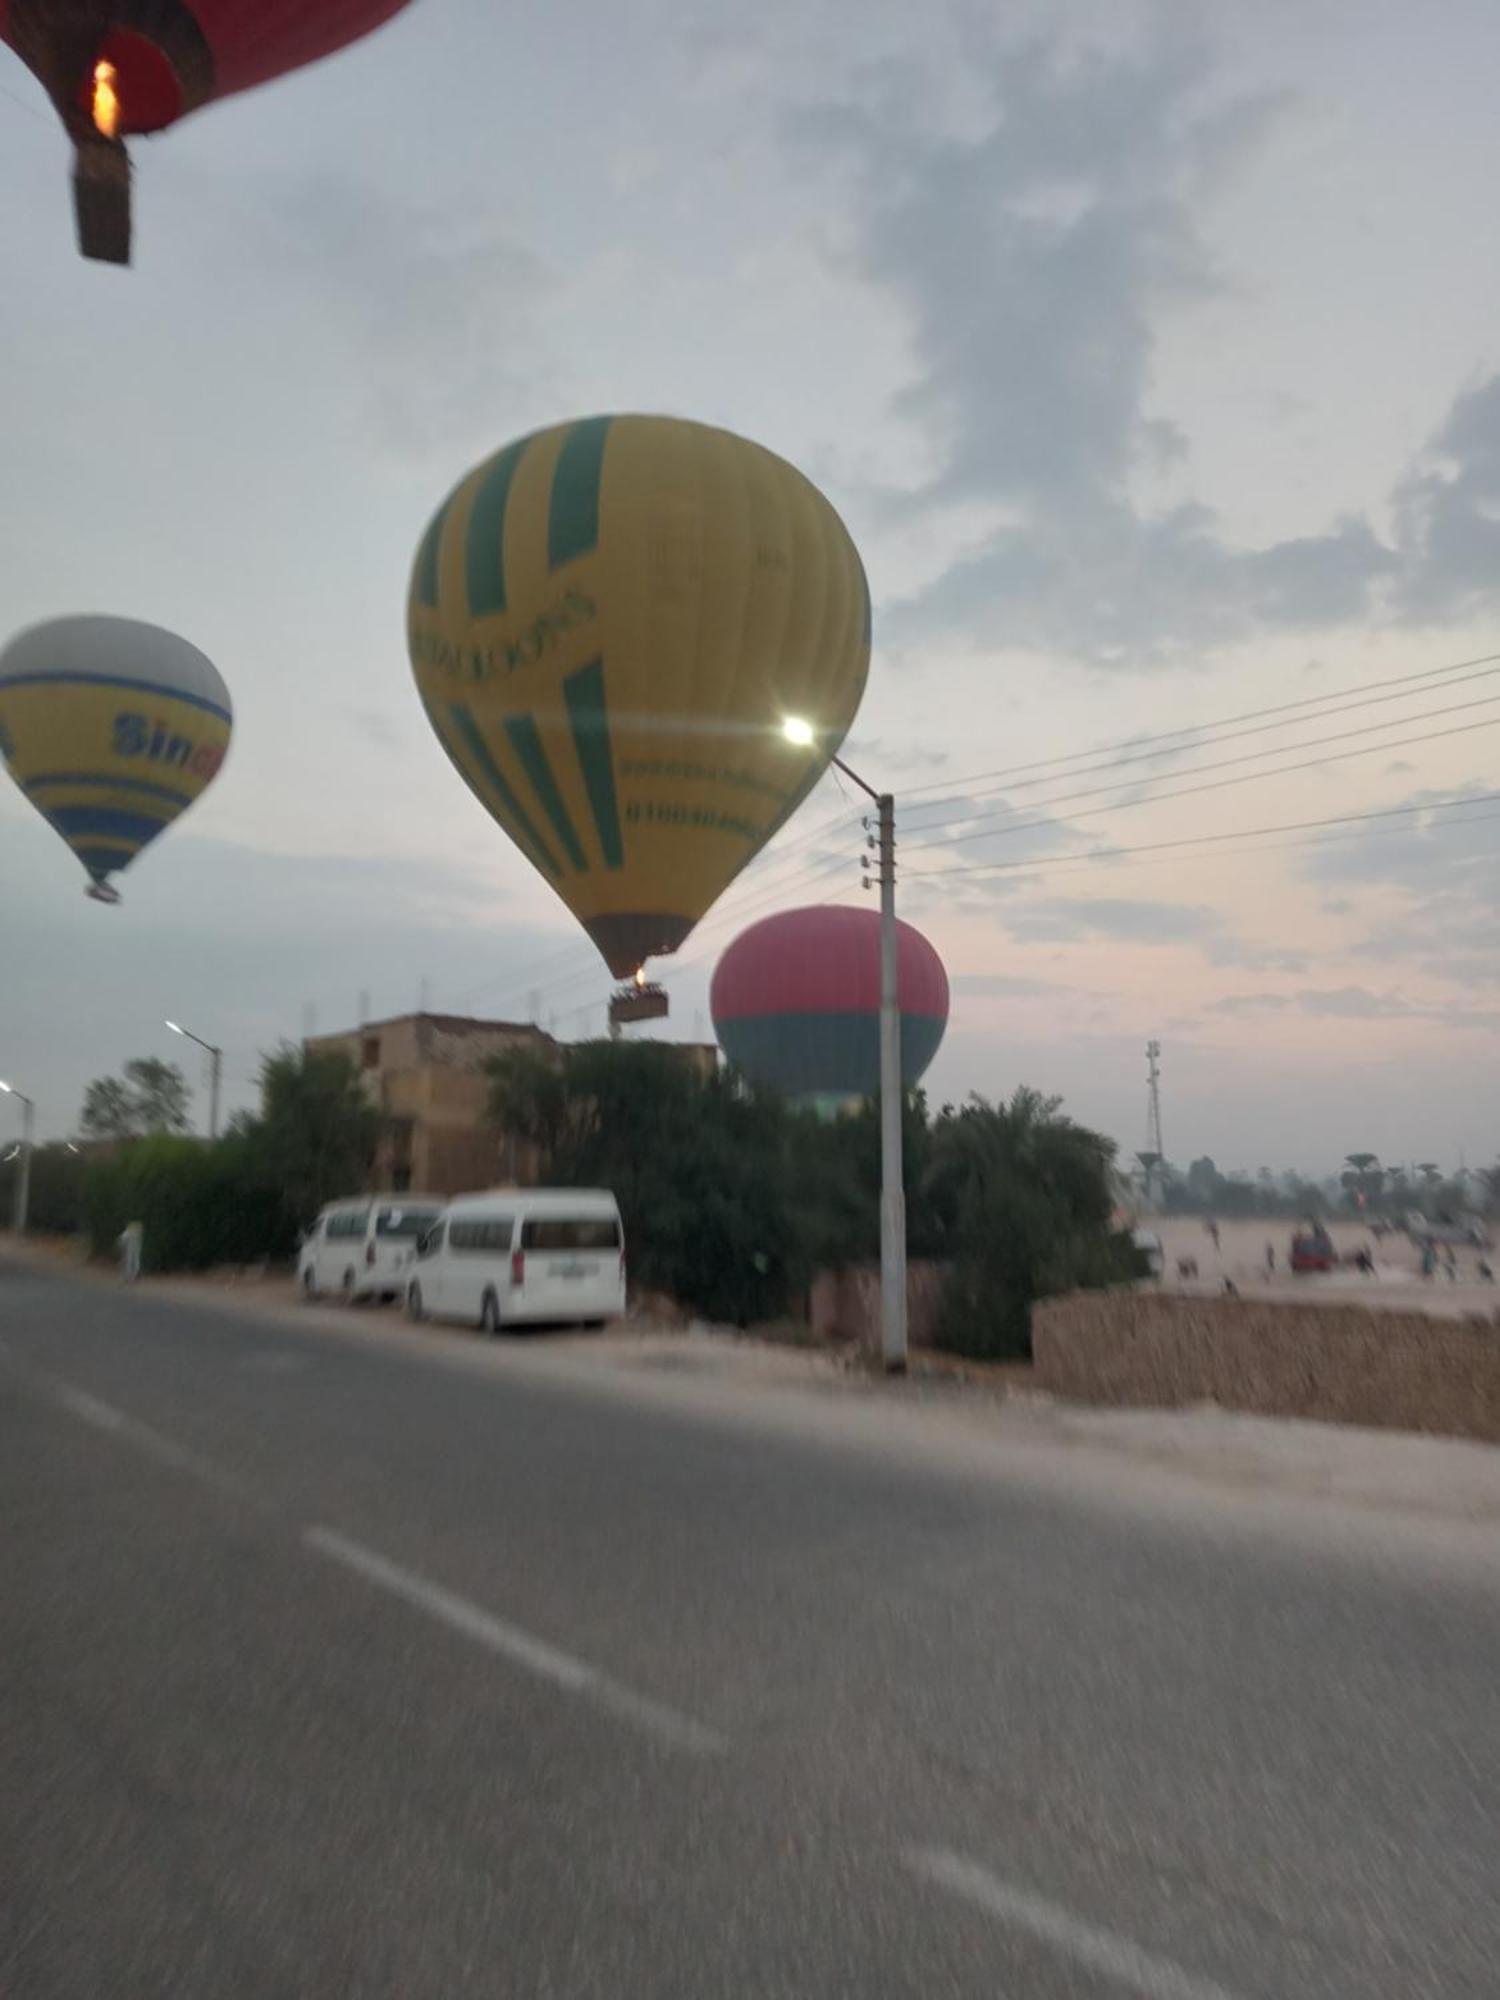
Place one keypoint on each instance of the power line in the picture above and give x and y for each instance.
(935, 807)
(1110, 854)
(1220, 784)
(1195, 729)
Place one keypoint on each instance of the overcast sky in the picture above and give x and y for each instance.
(1152, 355)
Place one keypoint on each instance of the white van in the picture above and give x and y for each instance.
(361, 1248)
(522, 1256)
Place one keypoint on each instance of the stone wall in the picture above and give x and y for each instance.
(845, 1304)
(1335, 1363)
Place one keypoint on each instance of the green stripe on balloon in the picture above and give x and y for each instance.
(484, 545)
(526, 741)
(589, 716)
(573, 516)
(479, 750)
(427, 560)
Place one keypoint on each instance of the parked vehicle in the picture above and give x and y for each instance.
(1312, 1250)
(522, 1256)
(361, 1248)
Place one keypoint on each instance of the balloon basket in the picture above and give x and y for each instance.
(637, 1003)
(102, 892)
(101, 199)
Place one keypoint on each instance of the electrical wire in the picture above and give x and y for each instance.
(1218, 784)
(1197, 729)
(1107, 856)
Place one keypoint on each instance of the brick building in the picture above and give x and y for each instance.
(425, 1073)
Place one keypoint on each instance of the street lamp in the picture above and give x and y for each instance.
(799, 731)
(22, 1198)
(215, 1064)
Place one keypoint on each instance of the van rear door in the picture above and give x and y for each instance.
(570, 1267)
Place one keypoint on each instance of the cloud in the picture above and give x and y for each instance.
(1033, 260)
(1000, 985)
(1448, 514)
(1351, 1003)
(1071, 920)
(440, 309)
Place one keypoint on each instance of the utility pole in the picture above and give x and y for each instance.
(1154, 1147)
(893, 1333)
(215, 1073)
(892, 1181)
(21, 1200)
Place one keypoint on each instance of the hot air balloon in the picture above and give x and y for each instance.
(117, 68)
(796, 1004)
(608, 622)
(111, 728)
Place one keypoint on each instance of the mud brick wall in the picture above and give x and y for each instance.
(1334, 1363)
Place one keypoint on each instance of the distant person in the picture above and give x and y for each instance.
(1429, 1258)
(1213, 1230)
(1270, 1260)
(1487, 1276)
(1363, 1261)
(129, 1244)
(1231, 1289)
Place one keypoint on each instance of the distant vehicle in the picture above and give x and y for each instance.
(361, 1248)
(1312, 1250)
(1149, 1244)
(522, 1256)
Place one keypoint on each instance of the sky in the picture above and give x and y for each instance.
(1151, 354)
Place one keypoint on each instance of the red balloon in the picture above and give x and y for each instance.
(116, 68)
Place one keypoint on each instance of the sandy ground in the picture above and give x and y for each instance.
(1396, 1284)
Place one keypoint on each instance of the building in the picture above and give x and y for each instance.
(426, 1074)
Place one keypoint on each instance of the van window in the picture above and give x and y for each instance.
(432, 1242)
(592, 1232)
(404, 1222)
(481, 1235)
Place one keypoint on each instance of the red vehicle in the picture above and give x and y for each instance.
(1312, 1250)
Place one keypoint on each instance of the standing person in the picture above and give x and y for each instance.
(1270, 1260)
(1213, 1230)
(130, 1240)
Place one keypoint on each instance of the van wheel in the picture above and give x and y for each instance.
(309, 1284)
(346, 1288)
(414, 1303)
(489, 1315)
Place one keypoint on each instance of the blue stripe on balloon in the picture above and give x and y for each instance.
(98, 783)
(102, 861)
(117, 681)
(137, 828)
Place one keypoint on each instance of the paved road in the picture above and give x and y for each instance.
(329, 1669)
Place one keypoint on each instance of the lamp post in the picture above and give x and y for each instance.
(22, 1198)
(215, 1064)
(892, 1183)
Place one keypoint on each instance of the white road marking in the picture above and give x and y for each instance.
(520, 1647)
(1105, 1952)
(129, 1430)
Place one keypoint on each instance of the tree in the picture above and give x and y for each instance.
(151, 1096)
(1023, 1196)
(317, 1131)
(1363, 1180)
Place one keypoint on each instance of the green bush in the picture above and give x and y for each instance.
(200, 1203)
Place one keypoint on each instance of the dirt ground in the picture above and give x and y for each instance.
(1396, 1283)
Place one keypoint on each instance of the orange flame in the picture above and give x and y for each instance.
(106, 104)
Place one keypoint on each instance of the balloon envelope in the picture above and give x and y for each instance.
(115, 68)
(608, 623)
(111, 728)
(796, 1003)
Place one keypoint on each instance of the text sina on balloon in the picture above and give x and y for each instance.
(137, 736)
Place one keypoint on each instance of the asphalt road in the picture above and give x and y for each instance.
(328, 1669)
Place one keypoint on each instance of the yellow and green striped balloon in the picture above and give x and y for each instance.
(111, 728)
(609, 622)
